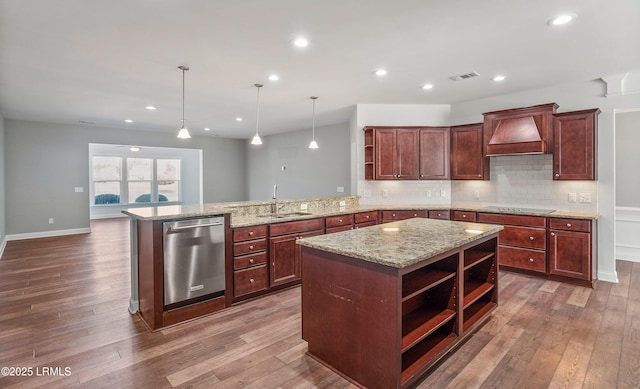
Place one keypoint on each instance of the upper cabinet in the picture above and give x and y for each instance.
(408, 153)
(526, 130)
(467, 159)
(574, 151)
(434, 153)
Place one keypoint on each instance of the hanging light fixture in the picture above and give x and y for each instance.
(183, 133)
(313, 144)
(256, 138)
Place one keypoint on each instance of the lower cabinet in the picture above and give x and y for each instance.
(391, 216)
(570, 248)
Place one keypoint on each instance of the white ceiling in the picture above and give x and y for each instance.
(102, 61)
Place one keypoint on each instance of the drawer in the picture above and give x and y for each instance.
(366, 217)
(250, 280)
(250, 246)
(522, 258)
(570, 224)
(534, 238)
(338, 229)
(249, 233)
(442, 215)
(513, 220)
(340, 220)
(404, 214)
(295, 227)
(464, 216)
(366, 224)
(249, 260)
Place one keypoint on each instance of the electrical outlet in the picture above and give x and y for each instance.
(429, 194)
(340, 189)
(79, 189)
(50, 220)
(573, 198)
(304, 207)
(476, 194)
(343, 203)
(443, 193)
(385, 193)
(585, 197)
(367, 193)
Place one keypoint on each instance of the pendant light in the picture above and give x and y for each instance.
(313, 145)
(256, 138)
(183, 133)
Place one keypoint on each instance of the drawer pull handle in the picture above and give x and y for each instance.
(251, 247)
(569, 225)
(250, 260)
(530, 259)
(250, 232)
(251, 280)
(531, 237)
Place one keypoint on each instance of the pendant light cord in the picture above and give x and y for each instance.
(183, 97)
(258, 106)
(313, 120)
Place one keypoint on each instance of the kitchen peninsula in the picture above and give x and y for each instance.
(381, 305)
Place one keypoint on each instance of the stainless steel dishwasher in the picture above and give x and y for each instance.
(193, 259)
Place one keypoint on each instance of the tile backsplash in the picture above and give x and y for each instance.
(526, 181)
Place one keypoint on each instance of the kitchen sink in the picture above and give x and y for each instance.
(284, 215)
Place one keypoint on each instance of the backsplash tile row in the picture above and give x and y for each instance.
(405, 192)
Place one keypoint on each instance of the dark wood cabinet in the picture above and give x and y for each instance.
(250, 271)
(441, 214)
(463, 216)
(365, 219)
(570, 248)
(391, 216)
(284, 253)
(434, 153)
(396, 154)
(575, 145)
(467, 159)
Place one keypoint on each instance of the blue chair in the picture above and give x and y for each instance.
(146, 198)
(107, 198)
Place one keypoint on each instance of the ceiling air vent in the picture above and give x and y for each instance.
(464, 76)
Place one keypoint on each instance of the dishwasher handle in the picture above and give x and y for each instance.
(181, 228)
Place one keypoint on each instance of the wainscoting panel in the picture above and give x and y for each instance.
(628, 233)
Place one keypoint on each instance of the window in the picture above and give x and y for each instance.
(147, 179)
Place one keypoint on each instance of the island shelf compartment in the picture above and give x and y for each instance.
(429, 276)
(428, 351)
(480, 291)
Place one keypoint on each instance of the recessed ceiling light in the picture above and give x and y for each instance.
(238, 119)
(498, 78)
(207, 129)
(301, 42)
(562, 19)
(274, 77)
(128, 121)
(427, 86)
(380, 72)
(150, 107)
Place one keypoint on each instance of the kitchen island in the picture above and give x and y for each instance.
(382, 304)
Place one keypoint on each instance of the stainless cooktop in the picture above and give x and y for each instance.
(520, 210)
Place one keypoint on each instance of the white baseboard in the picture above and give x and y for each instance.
(608, 276)
(46, 234)
(2, 246)
(628, 253)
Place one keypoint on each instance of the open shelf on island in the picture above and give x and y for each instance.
(428, 277)
(474, 257)
(473, 290)
(421, 323)
(418, 358)
(476, 311)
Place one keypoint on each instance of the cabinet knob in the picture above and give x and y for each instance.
(531, 237)
(366, 217)
(250, 260)
(421, 175)
(393, 214)
(557, 175)
(251, 280)
(250, 232)
(340, 220)
(415, 214)
(251, 247)
(464, 216)
(553, 234)
(569, 225)
(530, 259)
(439, 215)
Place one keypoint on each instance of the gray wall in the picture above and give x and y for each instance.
(48, 160)
(570, 97)
(2, 186)
(628, 159)
(309, 173)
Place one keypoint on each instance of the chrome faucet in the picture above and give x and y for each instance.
(274, 206)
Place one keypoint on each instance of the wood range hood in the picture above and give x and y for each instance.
(517, 131)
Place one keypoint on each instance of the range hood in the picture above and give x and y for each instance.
(516, 131)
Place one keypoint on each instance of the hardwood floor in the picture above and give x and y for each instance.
(63, 303)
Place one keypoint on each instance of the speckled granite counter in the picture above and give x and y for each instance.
(403, 243)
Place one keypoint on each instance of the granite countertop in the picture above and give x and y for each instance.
(203, 210)
(402, 243)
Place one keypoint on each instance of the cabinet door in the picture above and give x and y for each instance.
(407, 147)
(285, 258)
(467, 161)
(570, 254)
(434, 153)
(385, 154)
(574, 152)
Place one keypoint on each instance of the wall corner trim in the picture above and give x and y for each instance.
(46, 234)
(2, 246)
(608, 276)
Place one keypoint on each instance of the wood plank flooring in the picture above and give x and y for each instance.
(63, 303)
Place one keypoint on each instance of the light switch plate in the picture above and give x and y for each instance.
(573, 198)
(385, 193)
(340, 189)
(79, 189)
(343, 203)
(304, 207)
(585, 197)
(476, 194)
